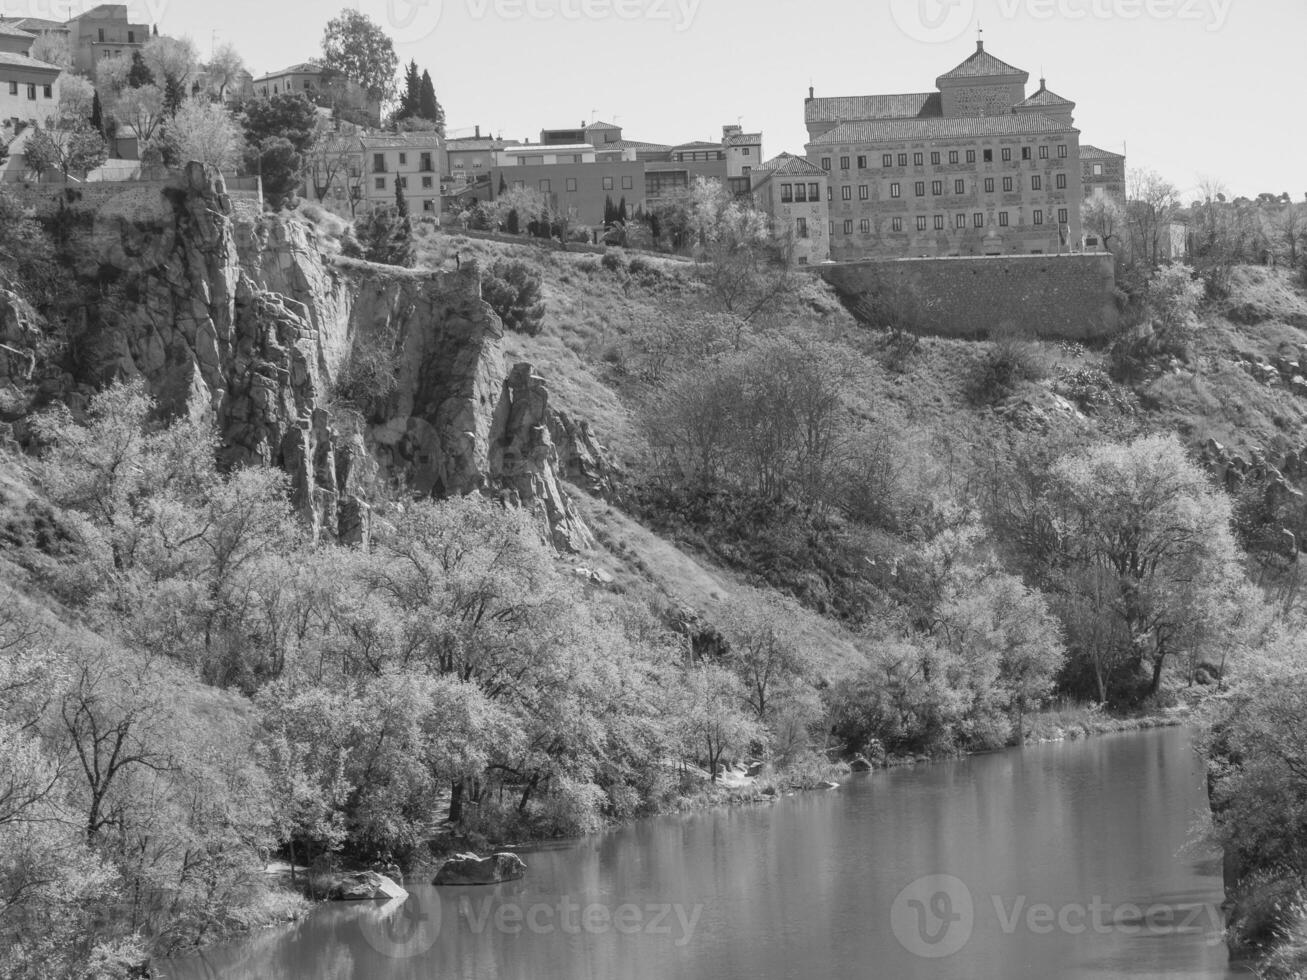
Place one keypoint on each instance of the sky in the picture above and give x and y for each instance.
(1191, 88)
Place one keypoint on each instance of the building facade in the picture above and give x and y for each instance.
(469, 159)
(572, 179)
(103, 32)
(792, 192)
(411, 160)
(29, 89)
(1102, 172)
(976, 167)
(346, 98)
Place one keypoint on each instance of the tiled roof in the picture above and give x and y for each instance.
(1045, 98)
(23, 61)
(636, 145)
(423, 141)
(982, 64)
(744, 139)
(103, 10)
(788, 165)
(854, 108)
(38, 24)
(1088, 152)
(601, 125)
(10, 30)
(304, 68)
(894, 130)
(697, 145)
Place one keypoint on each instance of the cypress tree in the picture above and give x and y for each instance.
(503, 185)
(139, 75)
(97, 113)
(609, 211)
(621, 211)
(429, 107)
(514, 224)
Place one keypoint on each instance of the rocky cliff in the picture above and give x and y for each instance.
(249, 320)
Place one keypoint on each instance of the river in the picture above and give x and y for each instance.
(1076, 860)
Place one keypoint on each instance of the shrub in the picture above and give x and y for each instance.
(638, 265)
(1013, 359)
(513, 291)
(613, 262)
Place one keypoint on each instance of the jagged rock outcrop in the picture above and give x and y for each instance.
(254, 324)
(1274, 476)
(20, 337)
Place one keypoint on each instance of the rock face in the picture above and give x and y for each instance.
(250, 321)
(1274, 477)
(366, 886)
(468, 869)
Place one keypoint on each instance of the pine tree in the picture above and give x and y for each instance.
(428, 106)
(139, 75)
(411, 96)
(174, 94)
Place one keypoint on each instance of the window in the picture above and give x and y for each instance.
(1007, 154)
(403, 181)
(862, 163)
(830, 192)
(428, 205)
(101, 35)
(937, 187)
(1036, 182)
(934, 158)
(801, 228)
(864, 226)
(887, 160)
(426, 162)
(570, 185)
(895, 190)
(989, 185)
(1062, 151)
(381, 183)
(426, 183)
(745, 150)
(846, 192)
(864, 192)
(1061, 182)
(403, 159)
(1002, 219)
(1098, 170)
(628, 183)
(378, 163)
(131, 37)
(918, 159)
(814, 192)
(971, 156)
(1062, 216)
(989, 156)
(903, 159)
(921, 188)
(921, 222)
(787, 193)
(1039, 216)
(545, 186)
(844, 163)
(960, 221)
(978, 220)
(952, 156)
(608, 183)
(1008, 184)
(832, 229)
(896, 224)
(31, 93)
(1025, 153)
(825, 163)
(848, 226)
(959, 187)
(13, 88)
(939, 222)
(800, 192)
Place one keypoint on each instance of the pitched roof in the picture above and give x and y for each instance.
(38, 24)
(11, 30)
(636, 145)
(895, 130)
(1044, 99)
(788, 165)
(982, 64)
(468, 144)
(1088, 152)
(104, 10)
(303, 68)
(744, 139)
(422, 140)
(601, 125)
(855, 108)
(697, 145)
(23, 61)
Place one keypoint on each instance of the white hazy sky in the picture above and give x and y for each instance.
(1194, 87)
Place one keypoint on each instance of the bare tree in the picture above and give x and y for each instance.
(1153, 203)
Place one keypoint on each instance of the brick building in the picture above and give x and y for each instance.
(976, 167)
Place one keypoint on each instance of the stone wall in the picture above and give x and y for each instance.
(1061, 296)
(46, 197)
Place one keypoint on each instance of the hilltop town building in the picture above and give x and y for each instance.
(1102, 172)
(976, 167)
(29, 89)
(323, 88)
(103, 32)
(792, 192)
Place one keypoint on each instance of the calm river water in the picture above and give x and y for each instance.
(1076, 860)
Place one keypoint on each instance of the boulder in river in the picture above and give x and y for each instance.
(468, 869)
(860, 763)
(366, 886)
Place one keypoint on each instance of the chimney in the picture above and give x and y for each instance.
(812, 92)
(478, 132)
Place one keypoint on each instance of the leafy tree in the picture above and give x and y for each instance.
(715, 727)
(52, 48)
(279, 135)
(205, 131)
(328, 161)
(513, 291)
(225, 69)
(142, 108)
(139, 74)
(71, 152)
(171, 62)
(1104, 216)
(354, 45)
(385, 234)
(1152, 205)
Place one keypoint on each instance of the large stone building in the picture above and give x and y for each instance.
(792, 192)
(103, 32)
(1103, 172)
(29, 89)
(976, 167)
(346, 98)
